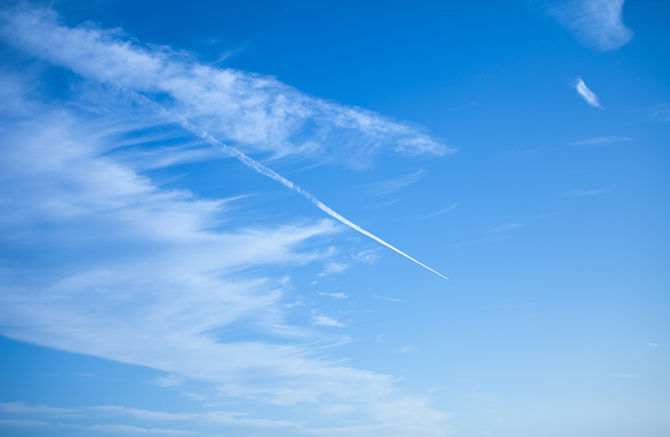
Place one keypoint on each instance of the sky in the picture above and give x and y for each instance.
(238, 218)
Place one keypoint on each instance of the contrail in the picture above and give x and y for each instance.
(260, 168)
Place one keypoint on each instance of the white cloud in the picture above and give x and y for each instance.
(337, 409)
(587, 94)
(146, 265)
(135, 430)
(336, 296)
(334, 267)
(507, 227)
(442, 211)
(652, 344)
(409, 416)
(23, 408)
(22, 423)
(390, 299)
(596, 23)
(321, 320)
(598, 141)
(146, 276)
(256, 113)
(366, 256)
(119, 267)
(393, 185)
(217, 417)
(170, 381)
(401, 417)
(584, 193)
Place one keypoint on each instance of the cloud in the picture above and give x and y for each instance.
(332, 267)
(402, 417)
(146, 276)
(390, 299)
(118, 266)
(23, 408)
(22, 423)
(625, 376)
(587, 94)
(507, 227)
(337, 409)
(652, 344)
(336, 296)
(104, 412)
(393, 185)
(596, 23)
(366, 256)
(396, 418)
(170, 381)
(216, 417)
(598, 141)
(442, 211)
(135, 430)
(259, 168)
(135, 262)
(253, 112)
(583, 193)
(321, 320)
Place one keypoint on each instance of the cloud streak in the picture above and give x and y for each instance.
(390, 299)
(103, 57)
(253, 112)
(588, 95)
(119, 267)
(261, 169)
(584, 193)
(596, 23)
(391, 186)
(599, 141)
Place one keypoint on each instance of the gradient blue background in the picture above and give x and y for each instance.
(556, 318)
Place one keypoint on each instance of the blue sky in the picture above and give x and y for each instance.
(189, 191)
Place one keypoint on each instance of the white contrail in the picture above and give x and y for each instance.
(260, 168)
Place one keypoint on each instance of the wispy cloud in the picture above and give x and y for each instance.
(321, 320)
(652, 344)
(337, 409)
(406, 416)
(596, 23)
(507, 227)
(393, 185)
(366, 256)
(442, 211)
(151, 276)
(332, 267)
(336, 296)
(599, 141)
(24, 408)
(134, 430)
(220, 417)
(587, 94)
(390, 299)
(22, 423)
(583, 193)
(253, 112)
